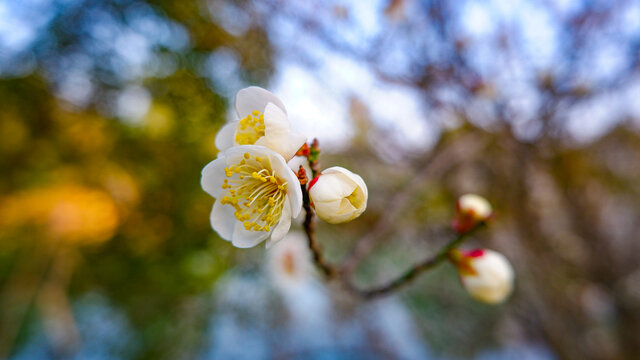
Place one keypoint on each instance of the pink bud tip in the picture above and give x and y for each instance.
(313, 182)
(475, 253)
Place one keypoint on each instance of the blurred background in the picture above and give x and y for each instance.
(109, 110)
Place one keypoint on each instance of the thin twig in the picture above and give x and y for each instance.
(415, 270)
(309, 227)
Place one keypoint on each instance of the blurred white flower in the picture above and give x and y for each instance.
(256, 195)
(474, 206)
(487, 275)
(289, 261)
(338, 195)
(263, 121)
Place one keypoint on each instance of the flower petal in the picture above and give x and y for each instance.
(293, 184)
(332, 186)
(213, 176)
(226, 134)
(353, 177)
(283, 226)
(336, 212)
(294, 144)
(223, 220)
(275, 119)
(277, 133)
(255, 98)
(235, 154)
(327, 207)
(243, 238)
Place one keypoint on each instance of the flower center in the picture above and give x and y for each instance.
(255, 192)
(250, 129)
(354, 199)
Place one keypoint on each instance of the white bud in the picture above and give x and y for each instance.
(474, 206)
(338, 195)
(486, 275)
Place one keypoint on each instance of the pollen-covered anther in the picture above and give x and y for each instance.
(251, 129)
(255, 192)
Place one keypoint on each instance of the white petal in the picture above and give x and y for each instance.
(353, 177)
(226, 135)
(332, 186)
(326, 207)
(275, 119)
(213, 176)
(235, 154)
(277, 133)
(336, 212)
(255, 98)
(295, 199)
(283, 226)
(294, 144)
(223, 220)
(243, 238)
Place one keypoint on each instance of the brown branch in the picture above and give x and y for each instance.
(309, 224)
(309, 227)
(416, 270)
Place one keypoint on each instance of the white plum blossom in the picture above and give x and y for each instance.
(289, 261)
(256, 195)
(475, 207)
(487, 275)
(263, 121)
(338, 195)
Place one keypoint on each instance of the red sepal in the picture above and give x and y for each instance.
(313, 182)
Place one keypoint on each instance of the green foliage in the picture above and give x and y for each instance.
(150, 248)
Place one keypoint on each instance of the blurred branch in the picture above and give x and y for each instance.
(20, 293)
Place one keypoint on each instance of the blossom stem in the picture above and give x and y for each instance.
(309, 227)
(416, 270)
(314, 151)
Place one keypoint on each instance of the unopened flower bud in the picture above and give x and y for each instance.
(475, 206)
(338, 195)
(486, 274)
(471, 210)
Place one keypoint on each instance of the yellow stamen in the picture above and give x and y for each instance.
(255, 192)
(250, 129)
